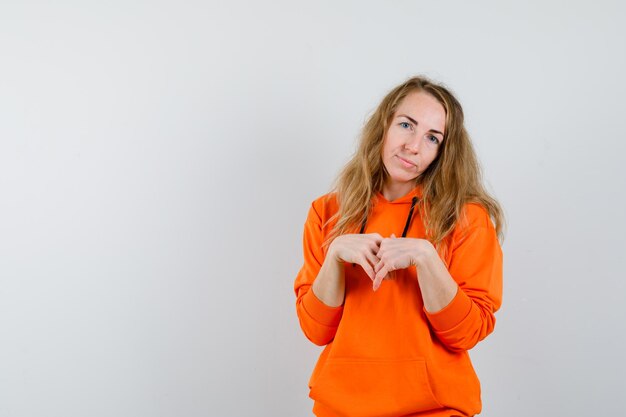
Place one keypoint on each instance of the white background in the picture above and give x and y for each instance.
(158, 158)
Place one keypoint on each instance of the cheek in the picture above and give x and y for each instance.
(389, 151)
(387, 148)
(391, 144)
(431, 157)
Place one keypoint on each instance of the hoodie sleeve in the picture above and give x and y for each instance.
(318, 321)
(475, 263)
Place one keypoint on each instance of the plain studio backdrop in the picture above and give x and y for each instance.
(158, 158)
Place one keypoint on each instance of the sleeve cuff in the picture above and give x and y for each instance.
(320, 312)
(451, 315)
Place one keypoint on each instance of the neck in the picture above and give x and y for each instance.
(394, 191)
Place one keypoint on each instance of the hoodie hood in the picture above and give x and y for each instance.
(405, 199)
(410, 199)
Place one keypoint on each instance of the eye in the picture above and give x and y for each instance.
(433, 139)
(405, 125)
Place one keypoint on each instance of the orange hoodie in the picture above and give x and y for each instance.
(385, 355)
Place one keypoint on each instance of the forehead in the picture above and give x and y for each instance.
(424, 108)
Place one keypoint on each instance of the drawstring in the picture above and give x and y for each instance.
(363, 225)
(408, 219)
(406, 225)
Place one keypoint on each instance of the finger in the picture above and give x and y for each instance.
(380, 250)
(377, 238)
(368, 269)
(393, 235)
(379, 278)
(378, 266)
(372, 259)
(376, 283)
(364, 262)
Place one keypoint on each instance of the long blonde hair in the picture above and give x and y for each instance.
(452, 179)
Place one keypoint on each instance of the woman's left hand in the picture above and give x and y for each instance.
(399, 253)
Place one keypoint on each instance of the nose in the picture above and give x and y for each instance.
(413, 144)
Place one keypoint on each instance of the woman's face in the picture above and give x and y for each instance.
(412, 141)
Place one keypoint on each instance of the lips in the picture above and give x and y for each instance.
(406, 162)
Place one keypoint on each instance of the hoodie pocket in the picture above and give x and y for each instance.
(360, 388)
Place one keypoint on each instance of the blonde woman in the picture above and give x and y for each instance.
(402, 267)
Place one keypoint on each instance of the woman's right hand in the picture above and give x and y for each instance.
(358, 249)
(329, 285)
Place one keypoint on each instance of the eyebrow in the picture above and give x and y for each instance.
(415, 123)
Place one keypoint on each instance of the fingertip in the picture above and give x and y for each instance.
(376, 283)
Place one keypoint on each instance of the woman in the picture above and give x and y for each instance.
(402, 266)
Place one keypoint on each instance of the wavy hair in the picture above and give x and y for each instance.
(453, 179)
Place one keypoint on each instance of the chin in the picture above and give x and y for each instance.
(401, 179)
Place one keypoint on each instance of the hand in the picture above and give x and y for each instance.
(358, 249)
(398, 253)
